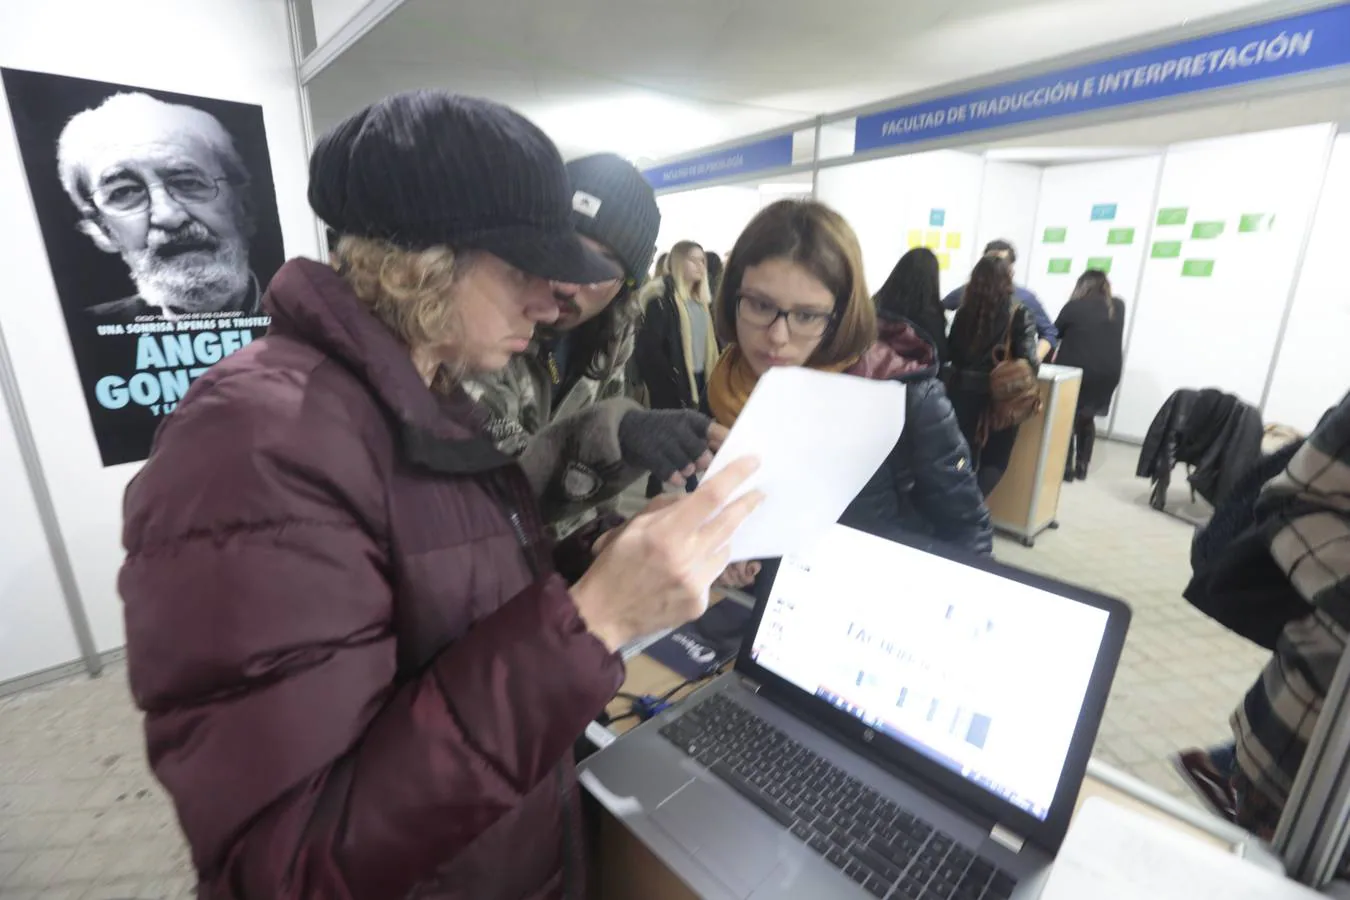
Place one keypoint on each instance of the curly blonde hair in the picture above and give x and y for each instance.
(410, 291)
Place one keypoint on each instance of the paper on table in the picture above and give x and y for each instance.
(819, 438)
(1111, 853)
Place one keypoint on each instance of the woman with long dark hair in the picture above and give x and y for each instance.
(794, 294)
(988, 327)
(1091, 337)
(912, 292)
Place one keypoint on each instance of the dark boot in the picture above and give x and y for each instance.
(1069, 467)
(1086, 439)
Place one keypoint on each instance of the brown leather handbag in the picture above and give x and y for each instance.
(1014, 394)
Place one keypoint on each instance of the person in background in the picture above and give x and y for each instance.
(361, 674)
(676, 344)
(661, 268)
(714, 273)
(1092, 338)
(990, 322)
(795, 295)
(1048, 335)
(912, 292)
(576, 365)
(1306, 528)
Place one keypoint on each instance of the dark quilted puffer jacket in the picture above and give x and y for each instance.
(360, 676)
(926, 487)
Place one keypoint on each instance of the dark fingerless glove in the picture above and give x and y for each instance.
(663, 441)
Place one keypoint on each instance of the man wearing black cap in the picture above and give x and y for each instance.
(579, 362)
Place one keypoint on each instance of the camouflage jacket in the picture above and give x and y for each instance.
(588, 472)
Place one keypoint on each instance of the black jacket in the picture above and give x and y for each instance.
(659, 351)
(927, 484)
(1216, 433)
(1092, 338)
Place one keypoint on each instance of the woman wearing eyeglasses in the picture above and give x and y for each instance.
(793, 294)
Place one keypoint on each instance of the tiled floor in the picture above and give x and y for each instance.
(80, 816)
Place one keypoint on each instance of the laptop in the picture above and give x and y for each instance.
(902, 722)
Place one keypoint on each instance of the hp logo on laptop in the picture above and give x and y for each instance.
(868, 734)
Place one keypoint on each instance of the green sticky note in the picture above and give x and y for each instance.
(1120, 236)
(1061, 266)
(1167, 250)
(1251, 222)
(1173, 215)
(1197, 268)
(1100, 263)
(1206, 231)
(1055, 235)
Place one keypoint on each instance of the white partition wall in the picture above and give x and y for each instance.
(1008, 204)
(1312, 371)
(714, 217)
(929, 199)
(1231, 221)
(35, 630)
(230, 51)
(1093, 214)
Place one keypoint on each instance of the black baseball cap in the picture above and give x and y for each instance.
(429, 168)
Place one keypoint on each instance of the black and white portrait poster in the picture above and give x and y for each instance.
(160, 221)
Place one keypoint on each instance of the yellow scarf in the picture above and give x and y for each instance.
(687, 340)
(732, 380)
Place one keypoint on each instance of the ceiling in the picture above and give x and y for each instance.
(652, 79)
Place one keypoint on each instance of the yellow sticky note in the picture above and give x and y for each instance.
(944, 261)
(954, 241)
(933, 240)
(915, 238)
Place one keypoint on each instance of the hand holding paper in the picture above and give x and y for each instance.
(819, 438)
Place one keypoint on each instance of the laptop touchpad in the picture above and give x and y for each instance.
(733, 841)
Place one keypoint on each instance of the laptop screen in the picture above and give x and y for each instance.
(982, 675)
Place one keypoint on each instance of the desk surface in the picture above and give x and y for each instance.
(647, 676)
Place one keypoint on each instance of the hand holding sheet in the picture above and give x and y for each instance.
(819, 438)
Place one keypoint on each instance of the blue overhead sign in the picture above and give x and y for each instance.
(1291, 46)
(760, 156)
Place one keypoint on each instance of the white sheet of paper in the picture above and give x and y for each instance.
(819, 437)
(1111, 853)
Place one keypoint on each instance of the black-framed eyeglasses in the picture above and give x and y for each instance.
(803, 323)
(130, 196)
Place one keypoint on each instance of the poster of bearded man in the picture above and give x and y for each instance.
(159, 218)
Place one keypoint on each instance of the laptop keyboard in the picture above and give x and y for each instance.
(886, 850)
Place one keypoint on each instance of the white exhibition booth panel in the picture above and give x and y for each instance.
(1212, 296)
(930, 199)
(1313, 368)
(35, 629)
(247, 58)
(1069, 240)
(1008, 202)
(714, 217)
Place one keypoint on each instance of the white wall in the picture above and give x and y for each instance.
(1068, 195)
(235, 51)
(1313, 370)
(330, 15)
(1008, 205)
(35, 631)
(1220, 331)
(888, 202)
(714, 217)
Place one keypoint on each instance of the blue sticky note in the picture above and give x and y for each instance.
(1104, 212)
(937, 218)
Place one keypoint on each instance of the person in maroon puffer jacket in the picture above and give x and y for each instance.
(362, 676)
